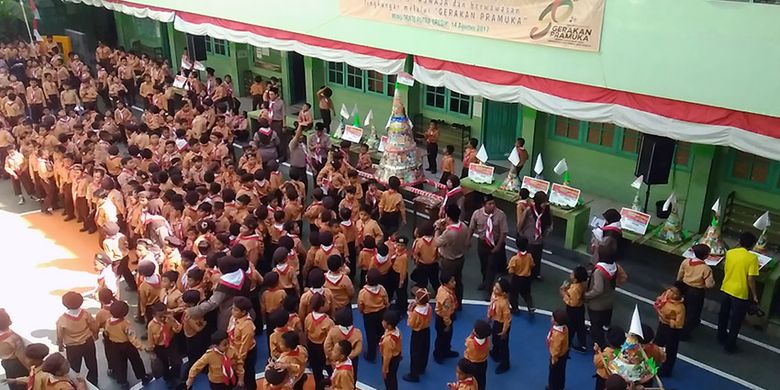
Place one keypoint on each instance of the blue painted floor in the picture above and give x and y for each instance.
(528, 356)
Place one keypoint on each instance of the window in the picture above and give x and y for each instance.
(391, 79)
(682, 154)
(376, 82)
(460, 103)
(601, 134)
(336, 73)
(435, 96)
(354, 77)
(630, 142)
(750, 168)
(221, 47)
(567, 128)
(216, 46)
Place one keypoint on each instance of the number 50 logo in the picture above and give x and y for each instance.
(555, 12)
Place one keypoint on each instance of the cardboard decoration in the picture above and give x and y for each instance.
(382, 143)
(352, 134)
(565, 196)
(480, 173)
(482, 154)
(514, 157)
(534, 185)
(561, 167)
(762, 222)
(716, 207)
(636, 323)
(539, 166)
(344, 112)
(637, 184)
(369, 117)
(634, 221)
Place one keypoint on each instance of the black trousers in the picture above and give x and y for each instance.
(167, 363)
(15, 369)
(536, 251)
(419, 349)
(455, 267)
(317, 364)
(500, 345)
(54, 103)
(390, 222)
(250, 382)
(374, 330)
(194, 348)
(599, 322)
(429, 273)
(732, 313)
(491, 264)
(391, 379)
(220, 386)
(67, 200)
(23, 181)
(326, 119)
(85, 352)
(433, 153)
(576, 324)
(556, 379)
(442, 344)
(521, 286)
(121, 353)
(124, 270)
(480, 374)
(36, 112)
(302, 174)
(694, 302)
(401, 294)
(50, 198)
(352, 253)
(669, 338)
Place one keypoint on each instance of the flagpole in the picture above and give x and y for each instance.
(26, 22)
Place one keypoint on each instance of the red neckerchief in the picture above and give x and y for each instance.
(164, 332)
(605, 272)
(337, 282)
(227, 368)
(456, 227)
(232, 285)
(695, 261)
(6, 334)
(478, 345)
(554, 328)
(348, 334)
(611, 228)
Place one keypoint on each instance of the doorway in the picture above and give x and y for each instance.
(499, 128)
(297, 78)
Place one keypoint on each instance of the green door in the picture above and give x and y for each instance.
(499, 128)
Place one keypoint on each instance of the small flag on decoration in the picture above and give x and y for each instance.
(716, 207)
(369, 117)
(405, 79)
(637, 184)
(344, 112)
(762, 222)
(562, 168)
(669, 201)
(539, 166)
(636, 323)
(514, 157)
(482, 155)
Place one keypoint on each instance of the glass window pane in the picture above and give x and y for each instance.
(760, 170)
(391, 85)
(594, 134)
(376, 81)
(560, 126)
(683, 153)
(354, 77)
(608, 135)
(741, 169)
(573, 130)
(630, 141)
(434, 96)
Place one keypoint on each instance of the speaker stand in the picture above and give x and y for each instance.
(647, 197)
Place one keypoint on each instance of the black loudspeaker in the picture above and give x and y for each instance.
(196, 46)
(655, 159)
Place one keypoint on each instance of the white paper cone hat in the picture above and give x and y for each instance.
(354, 110)
(637, 184)
(482, 154)
(636, 324)
(716, 207)
(539, 166)
(762, 222)
(514, 157)
(669, 201)
(344, 112)
(369, 117)
(561, 167)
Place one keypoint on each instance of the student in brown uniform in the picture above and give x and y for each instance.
(277, 321)
(399, 273)
(57, 368)
(382, 263)
(12, 354)
(148, 290)
(477, 350)
(76, 331)
(170, 296)
(464, 373)
(500, 314)
(367, 226)
(161, 330)
(316, 288)
(697, 277)
(349, 231)
(671, 319)
(390, 346)
(372, 303)
(196, 336)
(273, 296)
(558, 346)
(573, 294)
(344, 331)
(242, 349)
(392, 211)
(220, 370)
(519, 267)
(344, 374)
(425, 254)
(651, 350)
(365, 257)
(446, 303)
(325, 250)
(419, 321)
(338, 283)
(294, 357)
(316, 325)
(123, 345)
(36, 379)
(615, 338)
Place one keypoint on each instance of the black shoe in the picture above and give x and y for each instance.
(46, 212)
(69, 218)
(438, 360)
(433, 172)
(411, 378)
(481, 286)
(92, 231)
(451, 354)
(110, 374)
(83, 229)
(369, 359)
(580, 349)
(493, 355)
(502, 369)
(145, 380)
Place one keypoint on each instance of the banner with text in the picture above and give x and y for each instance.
(571, 24)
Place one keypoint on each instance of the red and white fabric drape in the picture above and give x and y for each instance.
(691, 122)
(130, 8)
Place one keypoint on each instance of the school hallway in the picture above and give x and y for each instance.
(45, 257)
